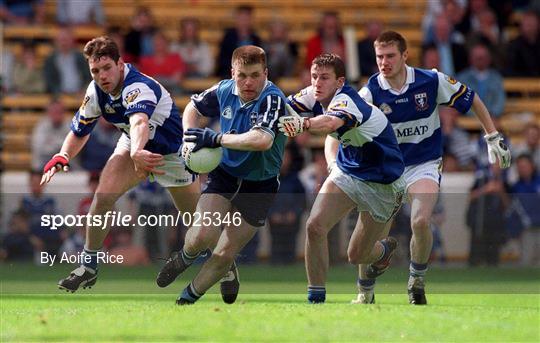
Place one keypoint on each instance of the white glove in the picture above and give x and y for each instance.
(293, 124)
(497, 150)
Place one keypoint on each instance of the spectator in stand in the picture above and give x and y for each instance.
(48, 135)
(242, 34)
(484, 80)
(6, 71)
(281, 53)
(195, 52)
(286, 213)
(485, 216)
(66, 70)
(489, 34)
(115, 33)
(531, 145)
(452, 53)
(366, 53)
(329, 39)
(100, 146)
(77, 12)
(430, 57)
(453, 9)
(28, 75)
(36, 204)
(471, 20)
(527, 193)
(17, 244)
(139, 40)
(456, 141)
(524, 51)
(165, 66)
(22, 12)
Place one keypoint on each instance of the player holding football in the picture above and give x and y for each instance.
(149, 146)
(246, 181)
(410, 97)
(366, 173)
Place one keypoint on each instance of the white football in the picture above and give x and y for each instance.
(201, 161)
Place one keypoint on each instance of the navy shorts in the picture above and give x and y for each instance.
(252, 199)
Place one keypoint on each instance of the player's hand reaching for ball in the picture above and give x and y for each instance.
(59, 162)
(147, 162)
(293, 124)
(203, 138)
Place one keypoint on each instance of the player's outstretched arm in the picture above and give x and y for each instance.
(253, 140)
(60, 162)
(293, 125)
(144, 160)
(497, 149)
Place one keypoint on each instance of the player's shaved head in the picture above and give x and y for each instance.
(248, 55)
(330, 61)
(391, 38)
(101, 47)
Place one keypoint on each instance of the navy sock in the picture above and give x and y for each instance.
(316, 294)
(417, 269)
(91, 261)
(188, 259)
(190, 294)
(365, 285)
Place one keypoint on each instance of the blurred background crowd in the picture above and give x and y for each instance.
(492, 46)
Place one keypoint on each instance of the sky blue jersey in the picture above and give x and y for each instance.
(262, 113)
(368, 148)
(414, 111)
(140, 94)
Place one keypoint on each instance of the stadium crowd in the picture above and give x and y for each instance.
(468, 39)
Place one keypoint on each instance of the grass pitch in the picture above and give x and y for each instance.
(125, 305)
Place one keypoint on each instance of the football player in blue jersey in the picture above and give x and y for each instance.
(149, 146)
(365, 170)
(410, 97)
(246, 181)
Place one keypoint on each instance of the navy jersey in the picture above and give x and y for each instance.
(368, 148)
(262, 113)
(414, 111)
(140, 94)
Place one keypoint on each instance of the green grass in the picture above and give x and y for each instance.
(464, 305)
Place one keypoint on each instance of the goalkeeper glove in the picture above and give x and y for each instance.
(293, 124)
(497, 149)
(58, 162)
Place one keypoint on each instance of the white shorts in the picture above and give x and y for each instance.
(174, 167)
(380, 200)
(430, 170)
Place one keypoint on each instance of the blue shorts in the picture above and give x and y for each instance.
(252, 199)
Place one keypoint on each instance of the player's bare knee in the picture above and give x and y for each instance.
(223, 257)
(357, 256)
(421, 225)
(315, 229)
(201, 237)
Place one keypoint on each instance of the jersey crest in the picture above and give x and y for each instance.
(227, 112)
(385, 108)
(421, 101)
